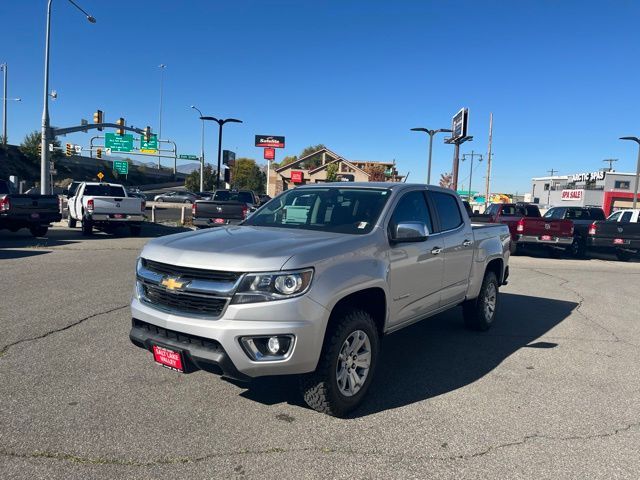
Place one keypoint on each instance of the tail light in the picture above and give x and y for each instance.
(593, 228)
(520, 226)
(245, 211)
(90, 205)
(194, 209)
(5, 204)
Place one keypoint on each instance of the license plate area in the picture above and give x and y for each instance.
(35, 215)
(546, 238)
(620, 241)
(219, 221)
(169, 358)
(118, 215)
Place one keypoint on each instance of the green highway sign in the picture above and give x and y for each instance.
(188, 157)
(151, 146)
(121, 166)
(118, 143)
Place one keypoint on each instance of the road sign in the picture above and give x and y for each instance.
(188, 157)
(118, 143)
(78, 149)
(100, 175)
(269, 153)
(269, 141)
(150, 146)
(121, 166)
(51, 147)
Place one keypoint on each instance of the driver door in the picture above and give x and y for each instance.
(415, 268)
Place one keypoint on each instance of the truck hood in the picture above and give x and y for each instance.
(240, 248)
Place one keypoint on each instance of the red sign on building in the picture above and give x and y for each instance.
(269, 153)
(297, 176)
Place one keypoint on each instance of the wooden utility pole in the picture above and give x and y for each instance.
(487, 184)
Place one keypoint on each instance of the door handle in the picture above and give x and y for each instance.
(467, 243)
(436, 250)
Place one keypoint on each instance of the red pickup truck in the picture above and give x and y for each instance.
(527, 227)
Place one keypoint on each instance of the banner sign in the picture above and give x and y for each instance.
(269, 141)
(572, 195)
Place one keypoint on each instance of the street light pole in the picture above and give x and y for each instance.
(431, 134)
(4, 105)
(220, 124)
(635, 189)
(44, 160)
(201, 150)
(162, 66)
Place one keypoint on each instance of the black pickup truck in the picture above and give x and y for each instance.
(226, 207)
(582, 218)
(619, 234)
(32, 211)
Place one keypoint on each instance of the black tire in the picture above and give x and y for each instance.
(39, 230)
(515, 248)
(188, 201)
(320, 389)
(71, 222)
(578, 249)
(160, 200)
(623, 256)
(87, 228)
(477, 313)
(135, 230)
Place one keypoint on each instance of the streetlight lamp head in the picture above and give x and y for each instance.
(420, 129)
(232, 120)
(91, 19)
(635, 139)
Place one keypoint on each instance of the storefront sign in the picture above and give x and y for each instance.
(572, 195)
(587, 177)
(272, 141)
(269, 153)
(296, 176)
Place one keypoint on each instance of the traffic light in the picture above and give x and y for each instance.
(69, 149)
(147, 134)
(98, 117)
(99, 153)
(120, 122)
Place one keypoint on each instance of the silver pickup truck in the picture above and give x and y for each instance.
(313, 293)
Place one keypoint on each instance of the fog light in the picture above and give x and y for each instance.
(273, 345)
(268, 348)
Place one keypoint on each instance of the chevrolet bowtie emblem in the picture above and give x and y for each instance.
(172, 283)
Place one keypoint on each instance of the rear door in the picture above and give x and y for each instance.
(457, 237)
(415, 268)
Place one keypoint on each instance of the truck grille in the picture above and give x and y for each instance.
(190, 273)
(189, 303)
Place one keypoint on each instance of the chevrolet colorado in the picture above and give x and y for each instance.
(313, 293)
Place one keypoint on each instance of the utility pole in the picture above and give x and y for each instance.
(472, 154)
(552, 172)
(487, 183)
(610, 160)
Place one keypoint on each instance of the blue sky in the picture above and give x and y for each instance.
(561, 77)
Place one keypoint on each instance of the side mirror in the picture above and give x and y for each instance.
(410, 232)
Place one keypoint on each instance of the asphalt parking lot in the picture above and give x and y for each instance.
(552, 391)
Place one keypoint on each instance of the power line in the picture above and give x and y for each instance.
(610, 160)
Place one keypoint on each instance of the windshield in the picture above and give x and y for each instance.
(337, 210)
(226, 196)
(104, 191)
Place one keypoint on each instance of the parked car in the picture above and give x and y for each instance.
(227, 207)
(177, 197)
(137, 194)
(314, 297)
(582, 218)
(205, 195)
(106, 206)
(33, 211)
(527, 226)
(619, 234)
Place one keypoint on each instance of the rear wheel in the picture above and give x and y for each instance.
(623, 256)
(188, 201)
(480, 312)
(39, 230)
(87, 228)
(71, 222)
(346, 366)
(578, 249)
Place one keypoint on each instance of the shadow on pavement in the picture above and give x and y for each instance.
(439, 355)
(11, 254)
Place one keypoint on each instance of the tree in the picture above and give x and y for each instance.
(376, 172)
(311, 149)
(332, 172)
(247, 175)
(192, 182)
(30, 146)
(287, 160)
(446, 180)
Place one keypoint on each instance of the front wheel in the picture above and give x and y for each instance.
(346, 365)
(480, 312)
(71, 222)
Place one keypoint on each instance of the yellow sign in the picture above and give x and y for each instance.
(172, 283)
(148, 150)
(100, 175)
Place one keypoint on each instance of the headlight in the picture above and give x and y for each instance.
(266, 287)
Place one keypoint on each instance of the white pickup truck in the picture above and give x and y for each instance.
(105, 206)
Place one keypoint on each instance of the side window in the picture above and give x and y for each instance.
(558, 213)
(626, 217)
(614, 217)
(448, 211)
(412, 207)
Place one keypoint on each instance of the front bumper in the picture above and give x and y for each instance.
(538, 240)
(223, 354)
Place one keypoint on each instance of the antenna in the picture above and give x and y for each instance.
(610, 160)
